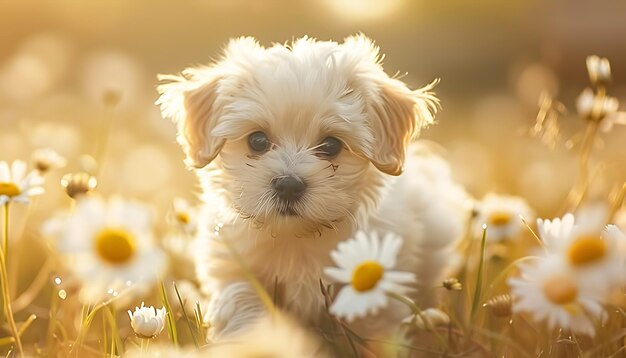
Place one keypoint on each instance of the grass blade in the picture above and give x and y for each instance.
(182, 306)
(479, 277)
(171, 324)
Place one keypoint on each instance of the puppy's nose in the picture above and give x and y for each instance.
(288, 187)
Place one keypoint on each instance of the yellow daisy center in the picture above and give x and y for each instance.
(183, 217)
(115, 246)
(499, 219)
(366, 275)
(9, 189)
(561, 290)
(586, 249)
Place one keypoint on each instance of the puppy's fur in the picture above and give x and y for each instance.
(298, 95)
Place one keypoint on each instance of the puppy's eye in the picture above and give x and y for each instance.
(330, 147)
(258, 142)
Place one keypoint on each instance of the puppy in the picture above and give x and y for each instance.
(296, 146)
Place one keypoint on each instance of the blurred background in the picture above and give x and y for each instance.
(495, 58)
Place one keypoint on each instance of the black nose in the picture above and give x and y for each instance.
(289, 187)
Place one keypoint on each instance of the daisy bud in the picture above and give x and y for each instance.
(147, 322)
(599, 70)
(78, 183)
(47, 159)
(500, 306)
(452, 284)
(428, 319)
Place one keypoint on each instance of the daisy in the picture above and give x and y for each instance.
(501, 214)
(77, 184)
(554, 233)
(551, 292)
(108, 246)
(46, 159)
(365, 265)
(16, 185)
(595, 256)
(593, 253)
(185, 214)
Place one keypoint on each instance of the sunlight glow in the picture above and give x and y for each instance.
(364, 9)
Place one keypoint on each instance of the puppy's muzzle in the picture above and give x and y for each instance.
(288, 188)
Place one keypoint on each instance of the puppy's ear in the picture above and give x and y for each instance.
(396, 116)
(190, 101)
(395, 113)
(194, 100)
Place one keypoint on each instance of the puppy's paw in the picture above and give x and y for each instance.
(233, 309)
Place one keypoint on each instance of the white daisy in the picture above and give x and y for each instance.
(16, 185)
(596, 257)
(46, 159)
(185, 214)
(550, 291)
(147, 322)
(365, 264)
(554, 233)
(501, 214)
(107, 245)
(593, 253)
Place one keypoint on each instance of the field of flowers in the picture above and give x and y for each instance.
(99, 216)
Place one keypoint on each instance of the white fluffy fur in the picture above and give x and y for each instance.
(299, 94)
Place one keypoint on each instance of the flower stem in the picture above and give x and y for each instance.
(407, 301)
(6, 295)
(143, 347)
(579, 190)
(5, 237)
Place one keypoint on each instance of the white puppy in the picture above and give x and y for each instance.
(296, 146)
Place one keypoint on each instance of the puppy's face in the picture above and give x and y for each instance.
(294, 130)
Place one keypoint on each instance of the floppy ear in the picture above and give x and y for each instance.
(395, 113)
(190, 101)
(194, 100)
